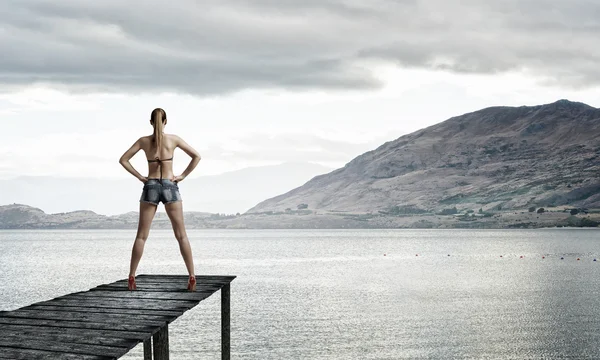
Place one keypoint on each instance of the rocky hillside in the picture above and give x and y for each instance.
(18, 216)
(498, 158)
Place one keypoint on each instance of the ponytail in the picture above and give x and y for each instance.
(158, 116)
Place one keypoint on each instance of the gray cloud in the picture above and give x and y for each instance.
(213, 47)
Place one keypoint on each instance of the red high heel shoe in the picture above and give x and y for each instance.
(131, 285)
(192, 283)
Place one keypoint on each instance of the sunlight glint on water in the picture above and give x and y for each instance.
(303, 294)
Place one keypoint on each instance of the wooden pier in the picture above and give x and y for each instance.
(109, 320)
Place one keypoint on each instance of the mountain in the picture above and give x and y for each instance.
(498, 158)
(231, 192)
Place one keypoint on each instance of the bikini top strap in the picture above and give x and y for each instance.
(159, 161)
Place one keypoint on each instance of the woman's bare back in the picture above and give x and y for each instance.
(169, 144)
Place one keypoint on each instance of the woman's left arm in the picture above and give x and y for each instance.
(124, 160)
(192, 153)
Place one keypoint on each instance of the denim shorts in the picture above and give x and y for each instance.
(156, 190)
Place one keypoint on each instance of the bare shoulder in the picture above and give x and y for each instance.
(144, 141)
(180, 143)
(173, 139)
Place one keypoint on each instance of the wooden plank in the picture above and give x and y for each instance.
(126, 335)
(32, 343)
(78, 324)
(165, 303)
(176, 287)
(104, 310)
(142, 289)
(24, 354)
(120, 304)
(76, 338)
(176, 284)
(195, 296)
(149, 320)
(199, 278)
(160, 286)
(178, 279)
(96, 304)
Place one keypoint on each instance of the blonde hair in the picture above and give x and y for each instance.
(158, 119)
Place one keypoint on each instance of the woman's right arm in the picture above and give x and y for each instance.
(124, 160)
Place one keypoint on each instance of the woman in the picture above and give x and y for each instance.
(160, 185)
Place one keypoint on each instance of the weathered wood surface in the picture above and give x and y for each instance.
(104, 322)
(24, 354)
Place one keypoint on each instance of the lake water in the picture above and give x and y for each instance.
(315, 294)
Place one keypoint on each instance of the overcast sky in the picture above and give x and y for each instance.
(261, 82)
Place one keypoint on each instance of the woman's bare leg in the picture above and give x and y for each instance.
(147, 211)
(175, 213)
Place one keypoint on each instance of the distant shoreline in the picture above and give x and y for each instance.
(333, 229)
(14, 217)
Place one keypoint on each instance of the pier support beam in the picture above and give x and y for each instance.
(148, 349)
(160, 342)
(225, 323)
